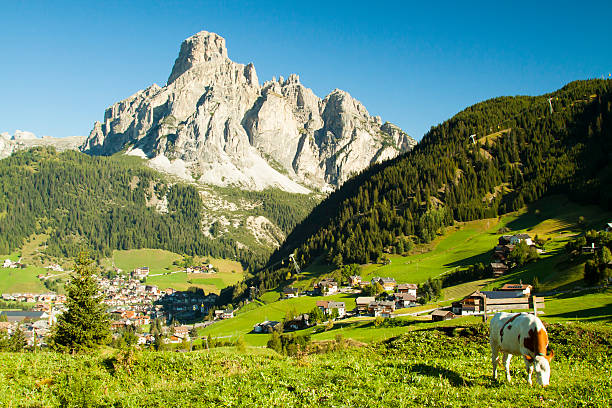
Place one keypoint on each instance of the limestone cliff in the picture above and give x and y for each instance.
(218, 125)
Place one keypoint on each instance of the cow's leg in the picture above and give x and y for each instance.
(529, 368)
(506, 360)
(494, 359)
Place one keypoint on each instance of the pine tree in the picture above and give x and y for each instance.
(85, 324)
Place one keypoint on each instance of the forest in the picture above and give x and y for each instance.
(492, 158)
(105, 203)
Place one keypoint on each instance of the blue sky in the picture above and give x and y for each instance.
(414, 65)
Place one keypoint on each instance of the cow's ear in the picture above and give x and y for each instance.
(528, 358)
(550, 355)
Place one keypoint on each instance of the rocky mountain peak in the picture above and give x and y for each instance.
(212, 122)
(199, 48)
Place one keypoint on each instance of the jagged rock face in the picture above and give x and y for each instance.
(215, 118)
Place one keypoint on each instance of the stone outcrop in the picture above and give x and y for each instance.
(21, 140)
(216, 120)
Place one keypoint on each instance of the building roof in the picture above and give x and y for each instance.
(522, 236)
(335, 305)
(408, 286)
(290, 289)
(405, 296)
(441, 312)
(365, 300)
(500, 294)
(498, 265)
(515, 286)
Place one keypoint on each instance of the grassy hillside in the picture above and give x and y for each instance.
(162, 262)
(531, 153)
(554, 218)
(449, 367)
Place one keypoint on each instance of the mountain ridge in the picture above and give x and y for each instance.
(546, 148)
(216, 120)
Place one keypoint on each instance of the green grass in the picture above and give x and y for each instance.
(243, 323)
(554, 218)
(441, 368)
(462, 245)
(158, 260)
(161, 261)
(580, 306)
(24, 280)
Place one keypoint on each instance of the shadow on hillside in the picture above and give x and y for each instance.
(593, 314)
(437, 372)
(484, 257)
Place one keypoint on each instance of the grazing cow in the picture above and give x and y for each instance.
(521, 334)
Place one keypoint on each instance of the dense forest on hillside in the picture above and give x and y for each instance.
(520, 152)
(107, 203)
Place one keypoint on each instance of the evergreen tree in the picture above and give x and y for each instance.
(18, 340)
(85, 324)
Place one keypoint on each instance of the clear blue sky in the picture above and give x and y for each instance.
(414, 65)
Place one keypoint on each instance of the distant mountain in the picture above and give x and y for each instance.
(487, 160)
(21, 140)
(213, 122)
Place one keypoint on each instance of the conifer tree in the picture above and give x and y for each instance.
(85, 324)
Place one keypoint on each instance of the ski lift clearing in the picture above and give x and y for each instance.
(493, 136)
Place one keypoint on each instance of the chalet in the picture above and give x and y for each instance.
(521, 238)
(181, 331)
(403, 300)
(441, 314)
(326, 287)
(608, 227)
(362, 303)
(266, 326)
(410, 288)
(475, 303)
(468, 306)
(141, 273)
(382, 308)
(498, 268)
(386, 283)
(354, 280)
(504, 239)
(299, 322)
(514, 287)
(290, 292)
(224, 314)
(327, 307)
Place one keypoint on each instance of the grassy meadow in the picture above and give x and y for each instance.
(446, 367)
(161, 261)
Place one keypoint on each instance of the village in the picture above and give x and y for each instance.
(392, 295)
(131, 305)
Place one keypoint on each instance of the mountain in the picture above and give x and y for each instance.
(75, 201)
(491, 158)
(214, 123)
(25, 140)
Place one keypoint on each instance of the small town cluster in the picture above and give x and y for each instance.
(131, 304)
(394, 296)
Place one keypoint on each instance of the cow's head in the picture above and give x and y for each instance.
(541, 364)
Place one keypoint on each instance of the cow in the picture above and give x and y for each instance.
(521, 334)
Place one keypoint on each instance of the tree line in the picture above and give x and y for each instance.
(523, 152)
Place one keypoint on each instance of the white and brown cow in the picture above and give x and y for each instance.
(521, 334)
